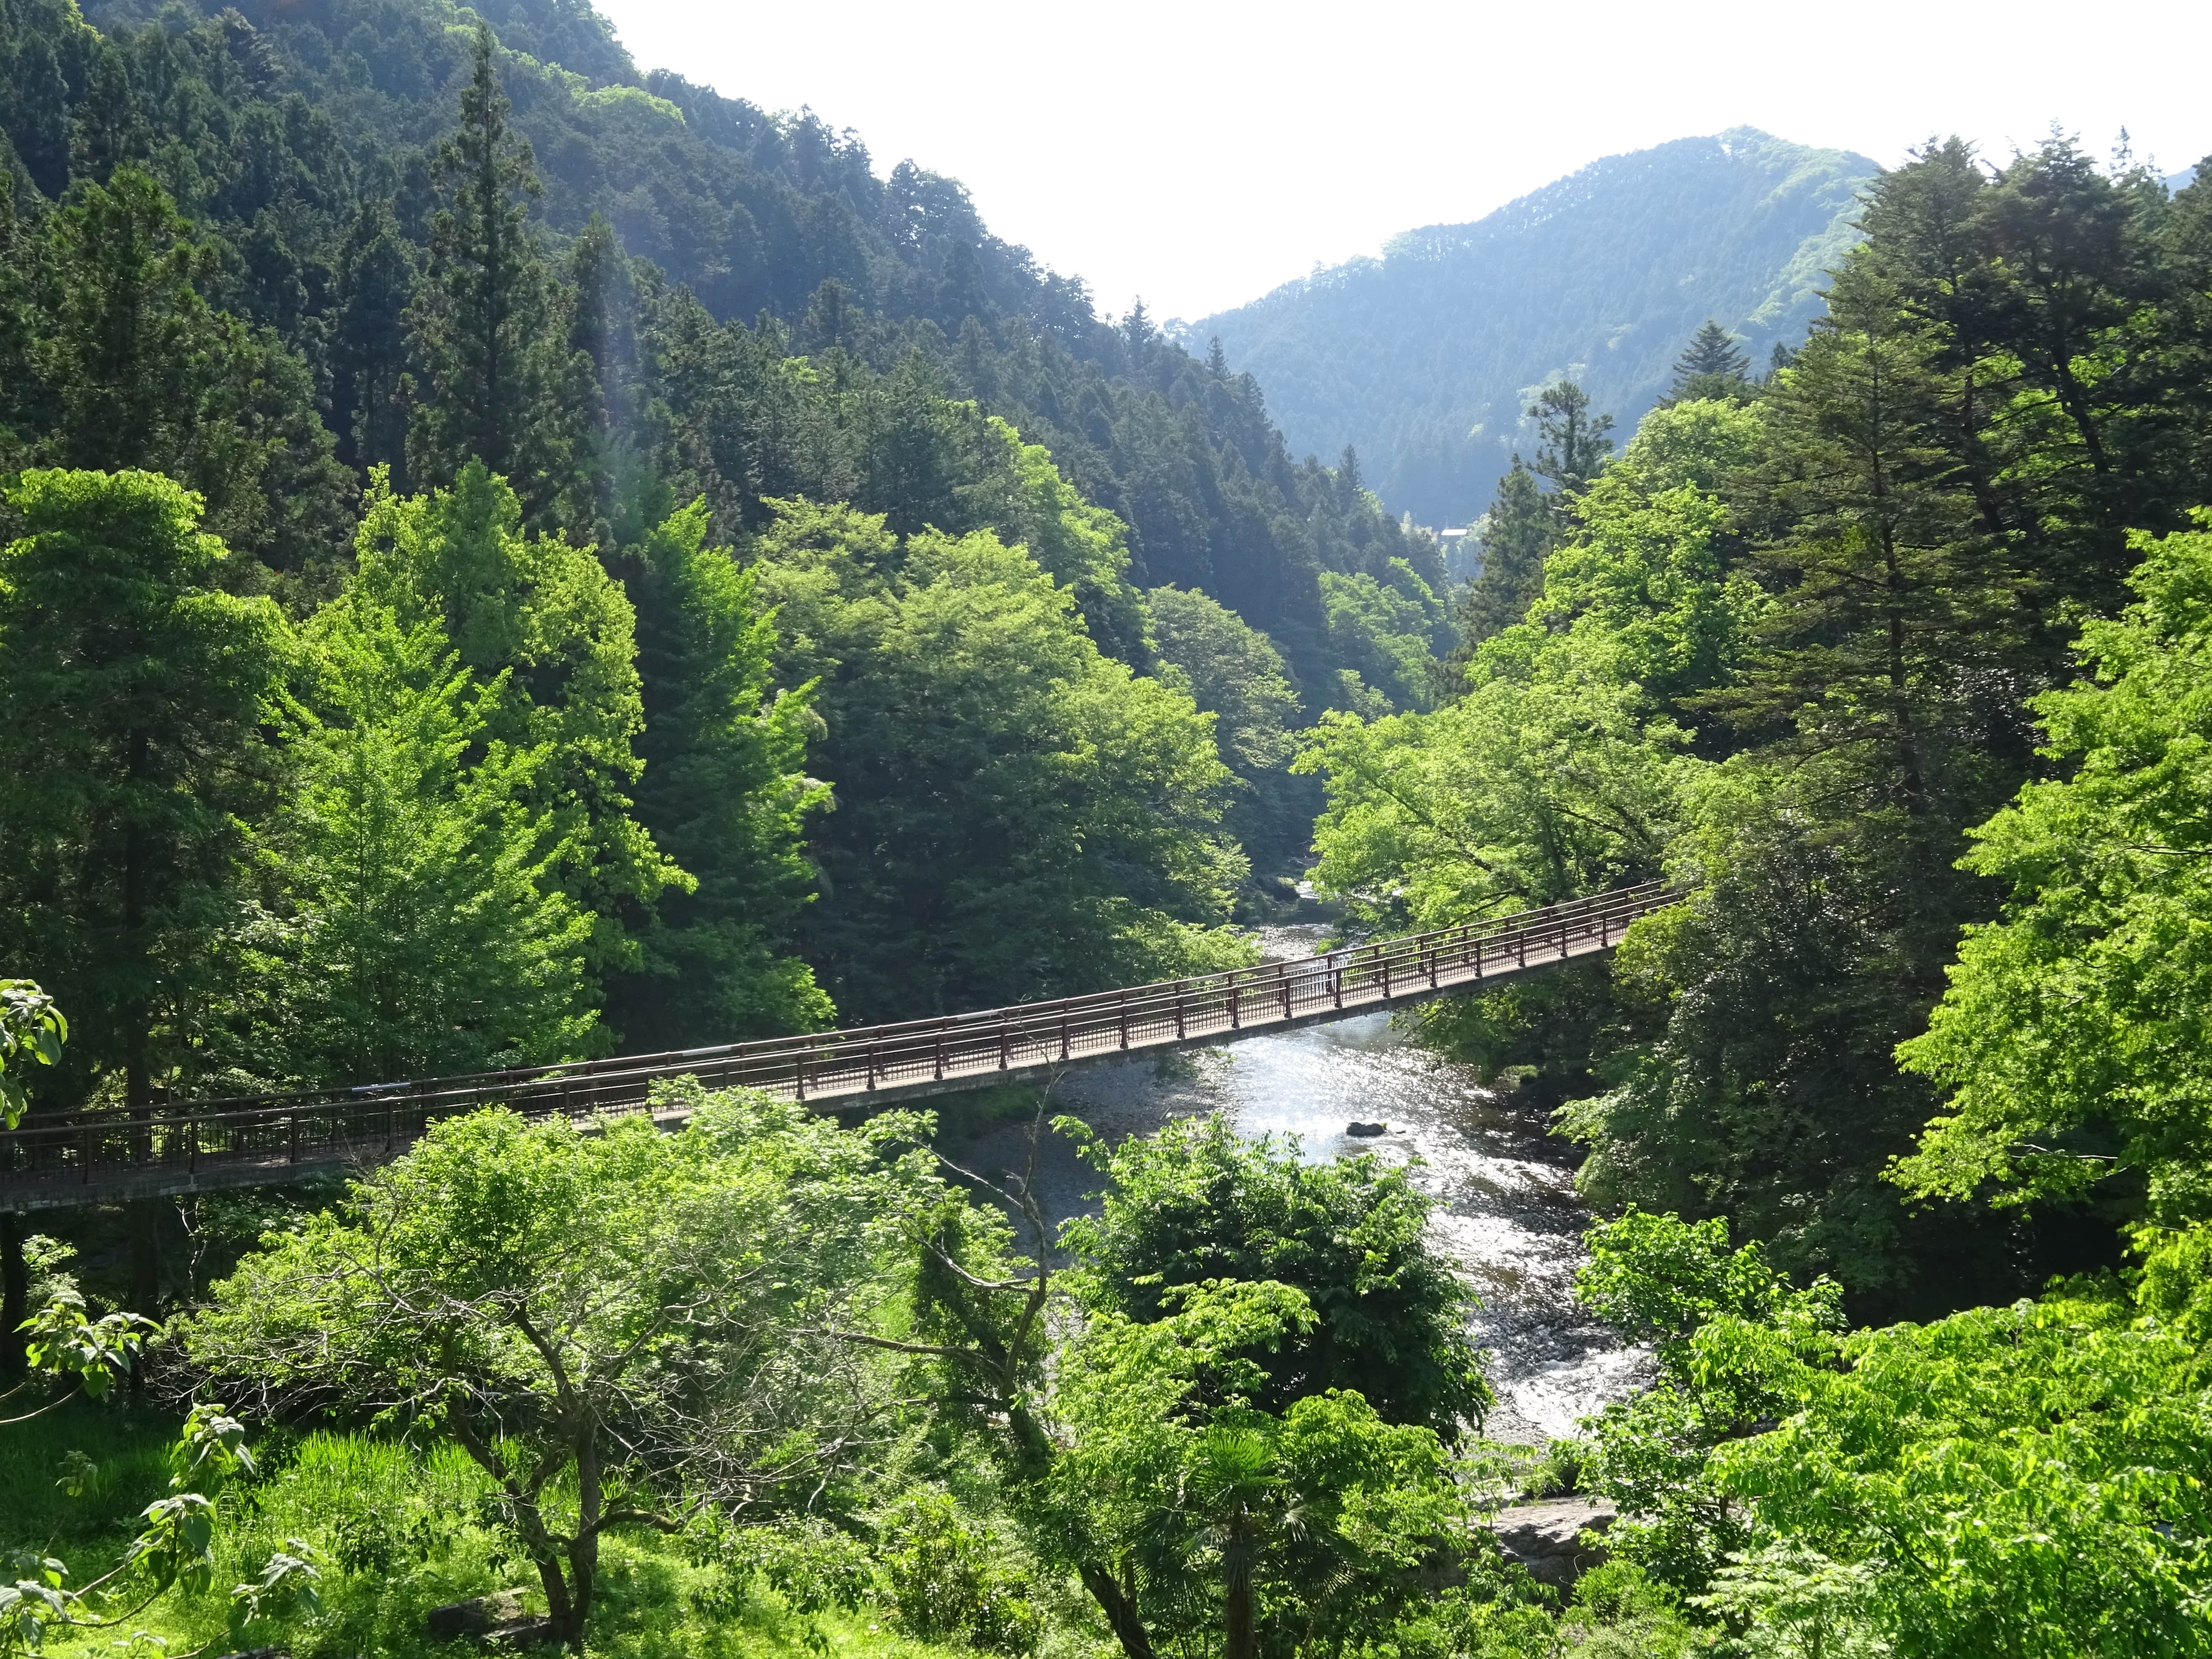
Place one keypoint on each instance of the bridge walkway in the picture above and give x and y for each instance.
(205, 1145)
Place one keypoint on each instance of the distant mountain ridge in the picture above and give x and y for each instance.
(1424, 359)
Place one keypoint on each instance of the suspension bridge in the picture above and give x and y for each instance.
(182, 1147)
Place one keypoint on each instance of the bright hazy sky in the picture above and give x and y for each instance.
(1199, 152)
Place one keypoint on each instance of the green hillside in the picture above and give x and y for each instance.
(1425, 359)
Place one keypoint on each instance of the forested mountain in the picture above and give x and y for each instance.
(1426, 359)
(289, 131)
(492, 393)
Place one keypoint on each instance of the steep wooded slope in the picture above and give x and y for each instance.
(1424, 359)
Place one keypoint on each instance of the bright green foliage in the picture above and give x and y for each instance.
(617, 1327)
(1176, 1439)
(1384, 629)
(418, 926)
(1196, 1203)
(1272, 1528)
(2022, 1480)
(1544, 781)
(31, 1028)
(1653, 565)
(1083, 547)
(543, 619)
(723, 794)
(1732, 1337)
(136, 754)
(2073, 1037)
(2026, 1480)
(943, 1583)
(1017, 814)
(1234, 673)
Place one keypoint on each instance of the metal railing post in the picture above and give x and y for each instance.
(1235, 1013)
(871, 1067)
(1063, 1028)
(940, 1047)
(1005, 1045)
(1179, 1032)
(1124, 1018)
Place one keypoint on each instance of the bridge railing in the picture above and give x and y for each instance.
(834, 1069)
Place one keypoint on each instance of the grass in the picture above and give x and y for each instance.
(401, 1531)
(129, 1446)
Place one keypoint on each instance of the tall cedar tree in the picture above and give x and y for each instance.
(501, 385)
(135, 369)
(136, 759)
(1575, 442)
(369, 381)
(602, 351)
(1517, 537)
(723, 794)
(1711, 366)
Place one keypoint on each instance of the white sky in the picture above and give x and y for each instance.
(1199, 152)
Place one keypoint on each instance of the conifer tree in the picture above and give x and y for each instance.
(603, 364)
(136, 758)
(137, 371)
(1711, 366)
(483, 318)
(1575, 442)
(375, 284)
(34, 107)
(1517, 537)
(723, 794)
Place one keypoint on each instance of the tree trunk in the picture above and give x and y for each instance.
(15, 1295)
(1237, 1613)
(1120, 1610)
(144, 1216)
(584, 1553)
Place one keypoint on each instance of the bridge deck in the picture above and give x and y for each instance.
(268, 1141)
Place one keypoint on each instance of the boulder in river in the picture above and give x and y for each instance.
(1366, 1130)
(1549, 1538)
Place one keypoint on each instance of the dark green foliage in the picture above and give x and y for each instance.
(1518, 536)
(375, 278)
(1196, 1203)
(723, 794)
(1575, 442)
(137, 759)
(1709, 366)
(128, 367)
(498, 388)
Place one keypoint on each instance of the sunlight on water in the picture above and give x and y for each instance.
(1507, 1212)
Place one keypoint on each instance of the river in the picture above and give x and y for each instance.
(1506, 1207)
